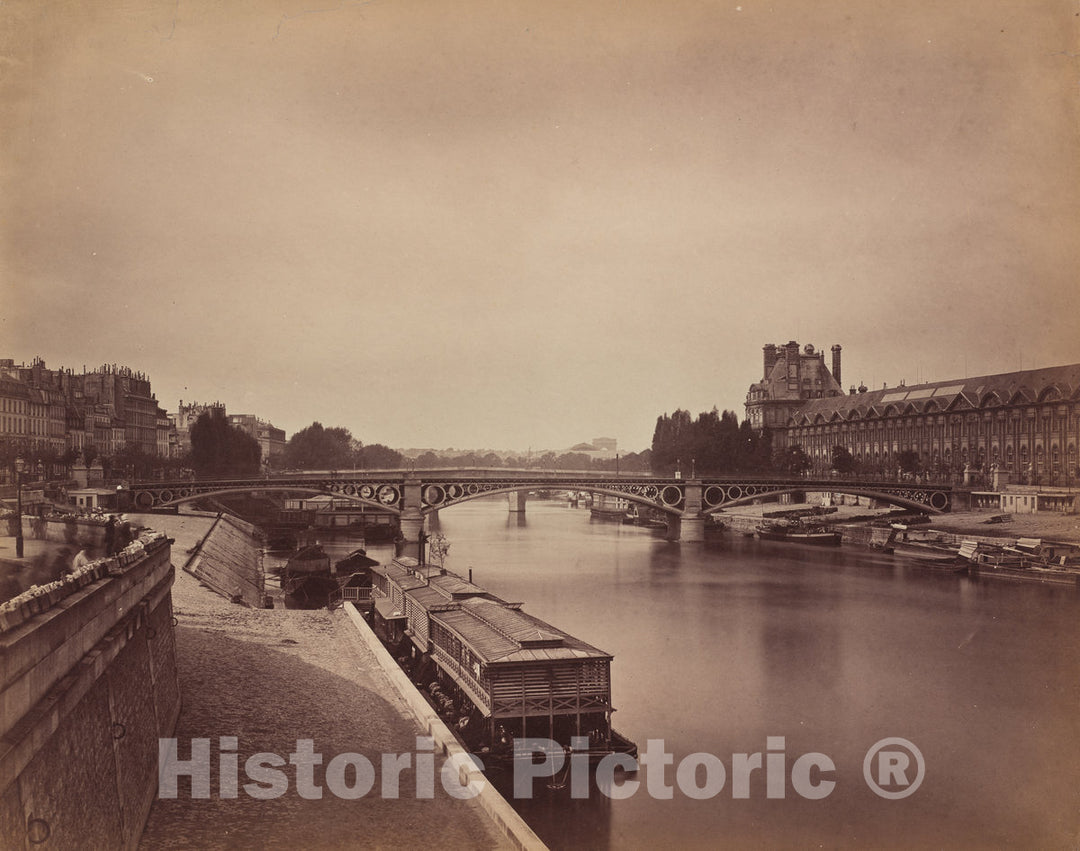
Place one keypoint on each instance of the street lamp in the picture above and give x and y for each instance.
(20, 465)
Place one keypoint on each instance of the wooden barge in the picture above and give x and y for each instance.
(494, 672)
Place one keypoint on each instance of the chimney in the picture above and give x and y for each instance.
(836, 362)
(770, 358)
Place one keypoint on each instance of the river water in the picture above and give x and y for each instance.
(719, 649)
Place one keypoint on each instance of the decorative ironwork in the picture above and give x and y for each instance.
(440, 489)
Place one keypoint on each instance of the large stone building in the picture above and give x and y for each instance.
(790, 379)
(111, 408)
(1025, 424)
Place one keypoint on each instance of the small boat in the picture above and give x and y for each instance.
(799, 533)
(307, 580)
(925, 551)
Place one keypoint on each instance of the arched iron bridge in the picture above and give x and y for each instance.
(412, 494)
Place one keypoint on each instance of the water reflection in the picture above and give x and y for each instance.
(718, 648)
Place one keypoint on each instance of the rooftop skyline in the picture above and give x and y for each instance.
(483, 225)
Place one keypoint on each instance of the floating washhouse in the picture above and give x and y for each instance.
(519, 675)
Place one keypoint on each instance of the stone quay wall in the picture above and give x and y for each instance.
(88, 683)
(229, 560)
(69, 529)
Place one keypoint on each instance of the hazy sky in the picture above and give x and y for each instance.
(522, 224)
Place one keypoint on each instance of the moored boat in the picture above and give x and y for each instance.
(494, 672)
(798, 533)
(307, 579)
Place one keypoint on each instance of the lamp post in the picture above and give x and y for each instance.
(20, 465)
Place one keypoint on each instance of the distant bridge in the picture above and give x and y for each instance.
(414, 494)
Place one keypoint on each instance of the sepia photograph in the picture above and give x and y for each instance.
(564, 425)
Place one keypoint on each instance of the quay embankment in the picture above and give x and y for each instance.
(273, 677)
(983, 526)
(87, 687)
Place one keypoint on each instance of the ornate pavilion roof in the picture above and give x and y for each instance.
(1055, 383)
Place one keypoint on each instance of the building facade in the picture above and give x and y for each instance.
(111, 409)
(271, 439)
(1025, 424)
(791, 378)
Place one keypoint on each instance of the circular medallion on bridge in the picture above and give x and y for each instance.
(335, 487)
(734, 492)
(433, 494)
(388, 495)
(184, 493)
(350, 490)
(145, 499)
(166, 495)
(750, 490)
(671, 495)
(454, 491)
(714, 495)
(939, 500)
(473, 488)
(652, 491)
(367, 491)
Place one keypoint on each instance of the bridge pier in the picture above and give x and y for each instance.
(690, 527)
(516, 501)
(412, 521)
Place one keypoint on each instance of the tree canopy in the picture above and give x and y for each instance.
(319, 448)
(712, 444)
(221, 449)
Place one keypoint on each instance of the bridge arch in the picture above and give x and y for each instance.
(674, 509)
(169, 497)
(938, 502)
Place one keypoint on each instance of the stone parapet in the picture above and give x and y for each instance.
(87, 685)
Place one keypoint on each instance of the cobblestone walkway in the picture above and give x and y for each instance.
(270, 678)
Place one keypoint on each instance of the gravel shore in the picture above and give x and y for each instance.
(271, 678)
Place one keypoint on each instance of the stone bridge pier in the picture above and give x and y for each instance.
(412, 520)
(516, 501)
(690, 528)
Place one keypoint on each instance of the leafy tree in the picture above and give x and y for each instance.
(375, 456)
(792, 460)
(711, 444)
(573, 461)
(318, 448)
(842, 460)
(220, 449)
(428, 461)
(908, 459)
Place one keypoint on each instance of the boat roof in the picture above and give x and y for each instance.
(388, 611)
(355, 560)
(409, 575)
(500, 633)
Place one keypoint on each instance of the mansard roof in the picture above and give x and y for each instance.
(985, 391)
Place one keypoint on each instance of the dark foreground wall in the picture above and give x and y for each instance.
(230, 561)
(87, 686)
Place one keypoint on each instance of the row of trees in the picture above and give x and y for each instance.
(712, 444)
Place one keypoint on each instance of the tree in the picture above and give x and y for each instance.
(792, 460)
(711, 444)
(842, 460)
(908, 460)
(318, 448)
(375, 456)
(220, 449)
